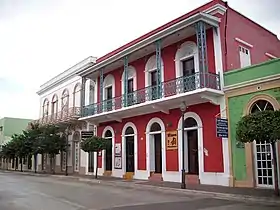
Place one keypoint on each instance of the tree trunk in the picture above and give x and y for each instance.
(21, 165)
(53, 164)
(35, 163)
(276, 187)
(96, 171)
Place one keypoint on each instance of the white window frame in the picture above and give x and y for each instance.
(242, 56)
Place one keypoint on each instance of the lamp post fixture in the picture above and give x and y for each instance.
(183, 108)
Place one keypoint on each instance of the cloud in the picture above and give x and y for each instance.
(40, 39)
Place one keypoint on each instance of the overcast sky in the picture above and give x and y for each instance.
(41, 38)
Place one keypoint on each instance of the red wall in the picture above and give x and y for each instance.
(168, 57)
(207, 112)
(238, 26)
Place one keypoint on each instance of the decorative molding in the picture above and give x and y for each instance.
(217, 8)
(243, 42)
(270, 55)
(67, 74)
(252, 82)
(201, 16)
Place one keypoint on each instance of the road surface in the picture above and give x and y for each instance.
(21, 192)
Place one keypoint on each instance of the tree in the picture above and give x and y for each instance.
(52, 142)
(33, 136)
(94, 144)
(261, 127)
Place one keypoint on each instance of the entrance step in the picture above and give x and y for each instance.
(107, 173)
(128, 175)
(192, 179)
(155, 177)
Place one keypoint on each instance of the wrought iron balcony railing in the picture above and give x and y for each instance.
(166, 89)
(63, 116)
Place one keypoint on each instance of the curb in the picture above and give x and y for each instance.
(134, 185)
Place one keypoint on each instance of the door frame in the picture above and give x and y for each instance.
(199, 138)
(103, 151)
(256, 168)
(163, 145)
(123, 146)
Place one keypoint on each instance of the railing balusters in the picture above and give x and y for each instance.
(169, 88)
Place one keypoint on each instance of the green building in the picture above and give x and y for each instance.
(247, 90)
(10, 126)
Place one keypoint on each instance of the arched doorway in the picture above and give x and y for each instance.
(155, 148)
(108, 152)
(129, 149)
(191, 146)
(263, 151)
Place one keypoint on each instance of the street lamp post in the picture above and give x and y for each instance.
(183, 109)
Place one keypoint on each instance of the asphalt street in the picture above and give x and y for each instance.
(20, 192)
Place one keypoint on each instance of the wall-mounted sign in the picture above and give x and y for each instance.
(86, 134)
(171, 140)
(118, 163)
(222, 128)
(118, 149)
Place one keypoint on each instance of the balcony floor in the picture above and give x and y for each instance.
(165, 104)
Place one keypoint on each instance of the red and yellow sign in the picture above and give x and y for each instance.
(171, 140)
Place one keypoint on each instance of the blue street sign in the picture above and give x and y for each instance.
(222, 127)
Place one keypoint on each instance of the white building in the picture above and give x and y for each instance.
(60, 103)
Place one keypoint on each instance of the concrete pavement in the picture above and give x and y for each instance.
(20, 192)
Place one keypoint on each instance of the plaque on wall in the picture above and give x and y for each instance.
(118, 163)
(171, 140)
(118, 149)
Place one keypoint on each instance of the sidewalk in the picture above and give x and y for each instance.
(220, 192)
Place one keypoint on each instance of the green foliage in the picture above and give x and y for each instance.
(260, 126)
(37, 139)
(94, 144)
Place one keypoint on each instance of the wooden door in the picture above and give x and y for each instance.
(158, 153)
(193, 151)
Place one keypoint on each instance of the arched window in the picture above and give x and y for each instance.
(108, 134)
(131, 80)
(65, 101)
(46, 107)
(261, 105)
(190, 122)
(54, 104)
(77, 95)
(186, 59)
(151, 72)
(155, 127)
(129, 131)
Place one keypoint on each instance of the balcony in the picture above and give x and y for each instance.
(63, 117)
(194, 89)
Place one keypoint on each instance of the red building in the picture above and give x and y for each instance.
(140, 91)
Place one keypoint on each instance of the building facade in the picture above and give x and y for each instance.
(8, 127)
(60, 104)
(248, 90)
(165, 90)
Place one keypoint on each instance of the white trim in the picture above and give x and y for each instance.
(200, 142)
(149, 69)
(103, 151)
(194, 92)
(109, 81)
(67, 74)
(270, 55)
(219, 70)
(212, 20)
(217, 8)
(186, 50)
(163, 147)
(243, 42)
(132, 125)
(252, 82)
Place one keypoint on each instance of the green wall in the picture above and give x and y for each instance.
(265, 69)
(12, 126)
(236, 106)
